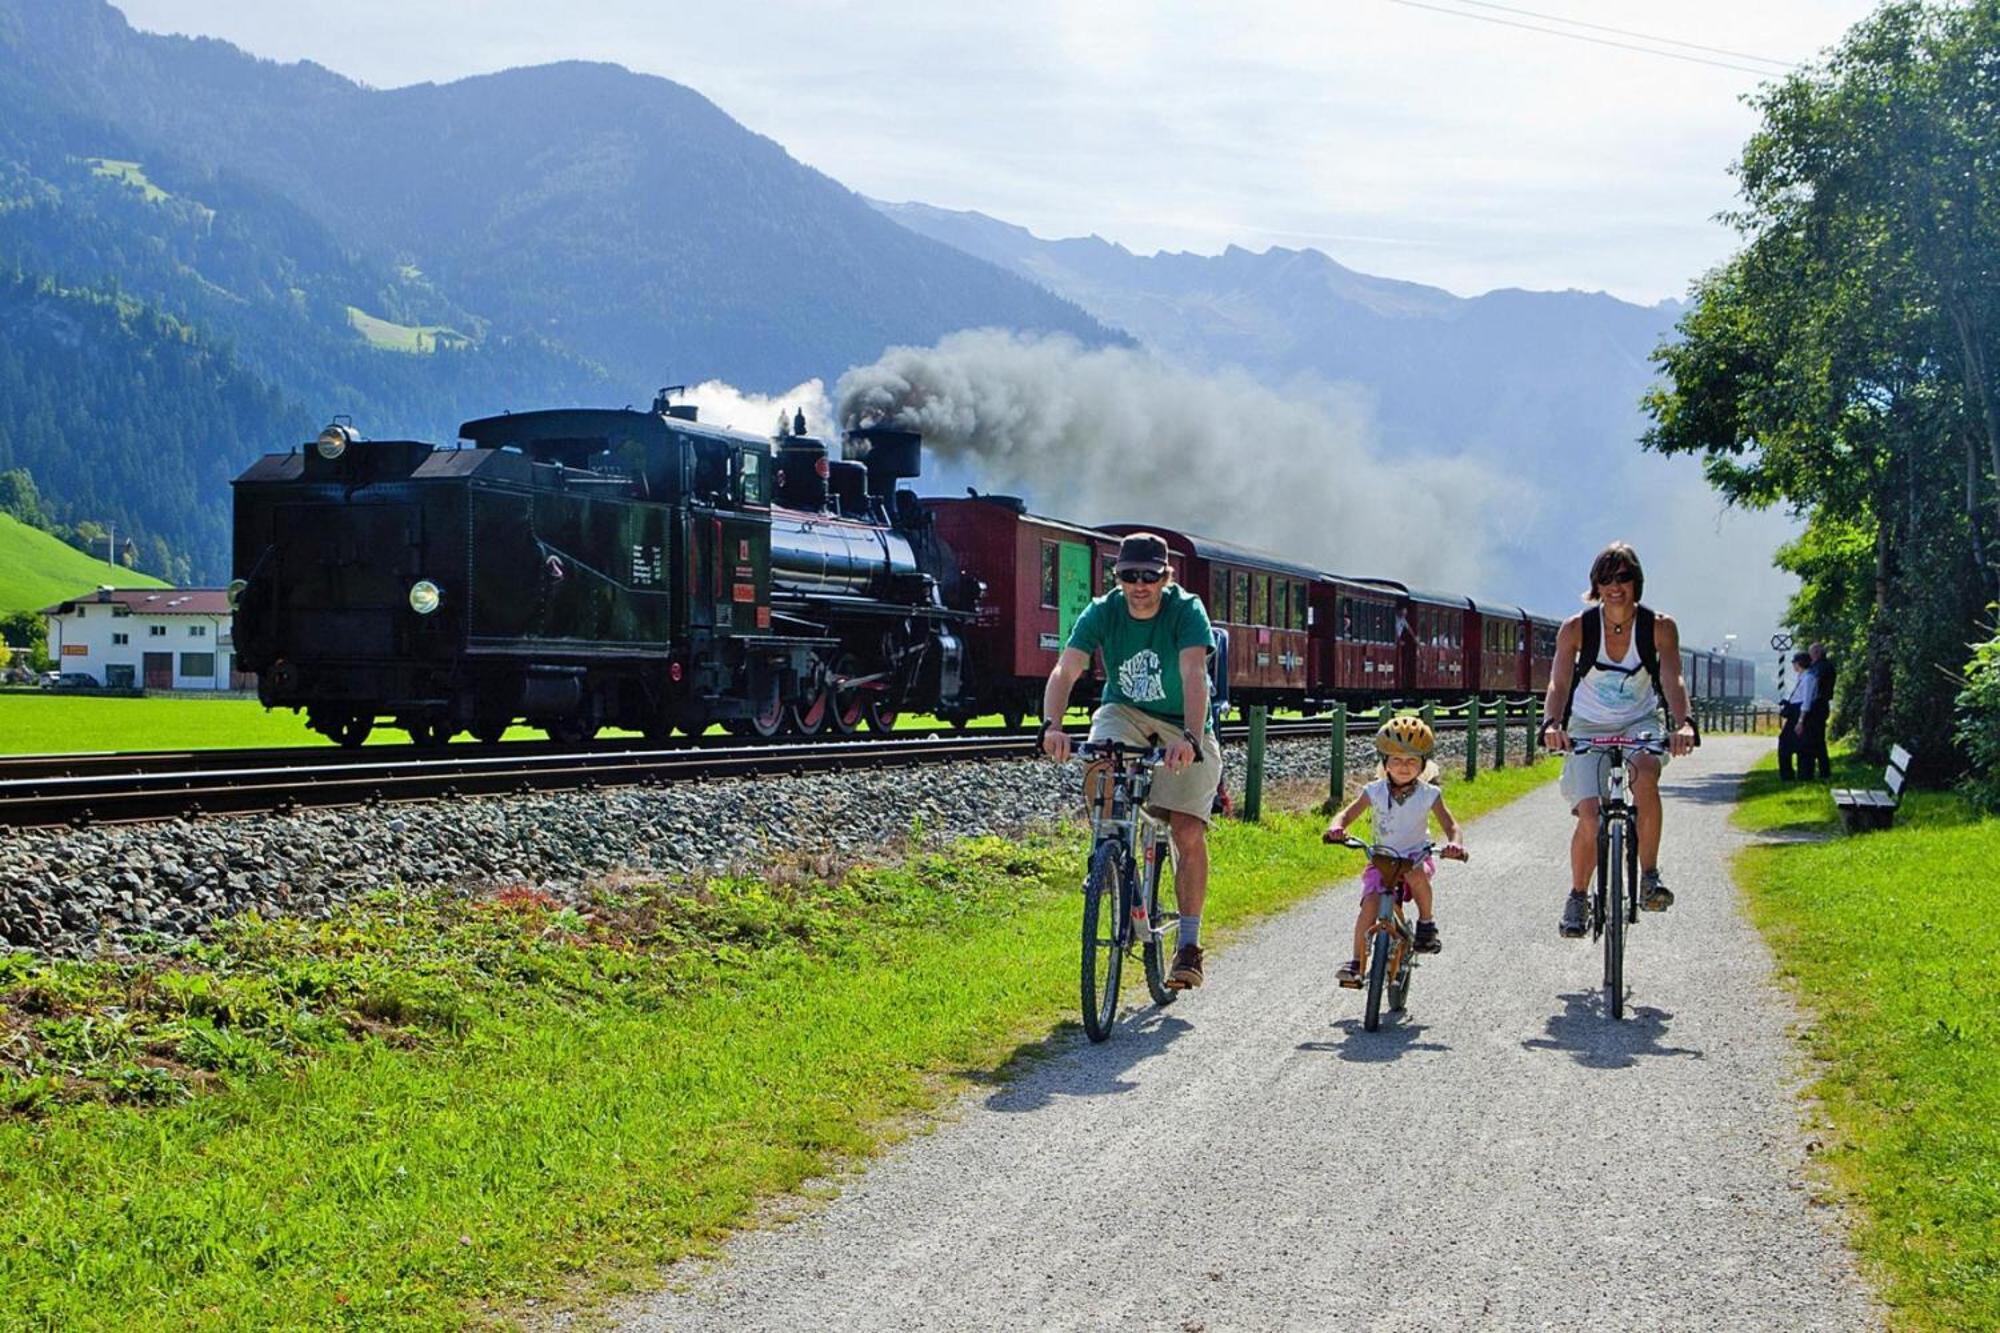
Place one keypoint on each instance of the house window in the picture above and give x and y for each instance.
(156, 631)
(200, 665)
(121, 639)
(1049, 574)
(197, 631)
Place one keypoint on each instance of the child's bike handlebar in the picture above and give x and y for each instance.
(1449, 851)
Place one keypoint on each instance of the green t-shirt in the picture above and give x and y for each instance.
(1142, 657)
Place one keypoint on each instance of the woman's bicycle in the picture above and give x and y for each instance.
(1392, 940)
(1128, 896)
(1615, 906)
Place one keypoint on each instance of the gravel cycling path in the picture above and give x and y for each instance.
(1503, 1155)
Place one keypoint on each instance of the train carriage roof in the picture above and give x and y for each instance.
(590, 424)
(1496, 610)
(1457, 601)
(1208, 549)
(1010, 504)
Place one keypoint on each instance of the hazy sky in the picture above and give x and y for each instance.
(1400, 140)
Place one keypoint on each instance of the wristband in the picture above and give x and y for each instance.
(1051, 724)
(1193, 740)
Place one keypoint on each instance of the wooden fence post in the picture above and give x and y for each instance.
(1336, 781)
(1472, 738)
(1500, 736)
(1253, 777)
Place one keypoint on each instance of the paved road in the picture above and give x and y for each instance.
(1504, 1156)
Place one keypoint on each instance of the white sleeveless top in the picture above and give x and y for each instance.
(1406, 824)
(1615, 694)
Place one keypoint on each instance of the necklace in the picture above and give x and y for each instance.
(1617, 627)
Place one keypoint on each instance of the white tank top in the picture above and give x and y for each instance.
(1615, 694)
(1405, 824)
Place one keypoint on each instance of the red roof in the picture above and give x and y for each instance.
(152, 601)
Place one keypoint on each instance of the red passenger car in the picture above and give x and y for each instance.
(1500, 649)
(1351, 637)
(1036, 576)
(1541, 652)
(1260, 599)
(1435, 629)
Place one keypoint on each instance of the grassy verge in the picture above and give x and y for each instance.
(420, 1113)
(40, 722)
(1890, 938)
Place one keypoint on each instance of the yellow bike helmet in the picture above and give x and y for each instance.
(1407, 737)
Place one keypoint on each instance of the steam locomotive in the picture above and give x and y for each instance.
(584, 568)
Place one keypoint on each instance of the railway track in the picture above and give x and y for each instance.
(81, 789)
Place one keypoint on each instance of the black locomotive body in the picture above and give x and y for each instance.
(585, 568)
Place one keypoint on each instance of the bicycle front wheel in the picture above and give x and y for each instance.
(1614, 919)
(1103, 959)
(1164, 924)
(1378, 976)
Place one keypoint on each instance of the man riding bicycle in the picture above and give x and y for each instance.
(1617, 662)
(1155, 638)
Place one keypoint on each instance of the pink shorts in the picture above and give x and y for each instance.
(1371, 880)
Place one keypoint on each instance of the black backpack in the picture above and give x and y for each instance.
(1593, 639)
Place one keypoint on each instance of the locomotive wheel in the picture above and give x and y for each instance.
(570, 731)
(811, 716)
(879, 713)
(769, 722)
(849, 707)
(429, 735)
(349, 732)
(488, 733)
(1013, 715)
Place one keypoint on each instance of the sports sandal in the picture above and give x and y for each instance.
(1349, 975)
(1427, 938)
(1653, 895)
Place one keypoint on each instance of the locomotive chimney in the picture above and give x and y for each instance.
(889, 454)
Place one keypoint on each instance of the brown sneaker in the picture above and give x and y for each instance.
(1186, 972)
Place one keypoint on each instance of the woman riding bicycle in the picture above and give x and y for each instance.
(1616, 662)
(1403, 796)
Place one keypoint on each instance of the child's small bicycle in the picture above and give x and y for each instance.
(1392, 940)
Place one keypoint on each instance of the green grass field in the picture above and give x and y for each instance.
(36, 570)
(1891, 939)
(423, 1112)
(128, 173)
(416, 339)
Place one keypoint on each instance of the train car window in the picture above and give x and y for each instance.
(1301, 609)
(1218, 593)
(752, 480)
(1107, 579)
(1239, 597)
(1260, 601)
(1049, 574)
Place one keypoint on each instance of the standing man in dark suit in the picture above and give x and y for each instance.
(1813, 759)
(1791, 714)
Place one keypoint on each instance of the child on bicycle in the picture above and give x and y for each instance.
(1403, 796)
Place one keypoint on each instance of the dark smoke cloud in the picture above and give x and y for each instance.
(1113, 434)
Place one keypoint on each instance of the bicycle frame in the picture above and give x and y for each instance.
(1130, 849)
(1121, 815)
(1392, 940)
(1617, 854)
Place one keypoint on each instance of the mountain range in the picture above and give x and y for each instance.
(211, 254)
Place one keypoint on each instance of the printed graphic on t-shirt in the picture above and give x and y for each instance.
(1139, 678)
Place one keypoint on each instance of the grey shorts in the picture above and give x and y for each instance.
(1583, 774)
(1190, 791)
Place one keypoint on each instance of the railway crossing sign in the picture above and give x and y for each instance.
(1781, 643)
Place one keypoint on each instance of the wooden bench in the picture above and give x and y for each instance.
(1871, 809)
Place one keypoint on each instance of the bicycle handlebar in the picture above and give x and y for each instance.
(1119, 750)
(1377, 849)
(1643, 744)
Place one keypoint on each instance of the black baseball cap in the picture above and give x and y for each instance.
(1141, 550)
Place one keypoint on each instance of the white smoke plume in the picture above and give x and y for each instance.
(1115, 435)
(723, 404)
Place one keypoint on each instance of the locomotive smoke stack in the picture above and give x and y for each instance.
(890, 454)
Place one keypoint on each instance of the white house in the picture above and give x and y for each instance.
(160, 638)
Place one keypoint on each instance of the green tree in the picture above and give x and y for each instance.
(1842, 362)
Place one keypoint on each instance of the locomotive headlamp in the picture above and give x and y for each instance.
(333, 441)
(424, 597)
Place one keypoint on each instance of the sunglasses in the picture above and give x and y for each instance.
(1147, 576)
(1622, 576)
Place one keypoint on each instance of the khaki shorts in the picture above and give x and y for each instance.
(1190, 791)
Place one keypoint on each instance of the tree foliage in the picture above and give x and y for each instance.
(1843, 362)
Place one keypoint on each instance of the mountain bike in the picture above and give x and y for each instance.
(1392, 940)
(1128, 896)
(1615, 905)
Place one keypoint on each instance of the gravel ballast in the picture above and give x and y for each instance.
(119, 888)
